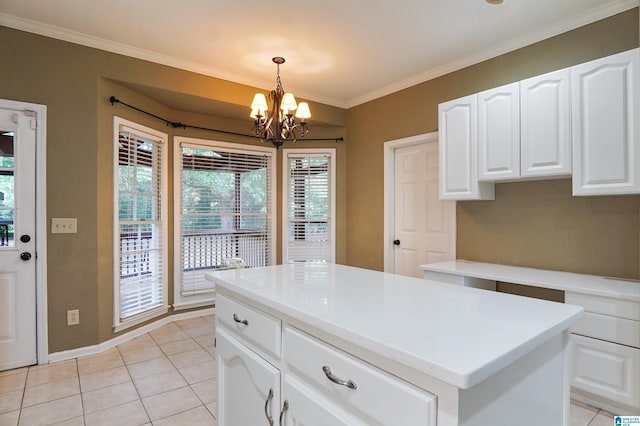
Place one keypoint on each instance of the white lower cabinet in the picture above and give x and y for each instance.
(605, 345)
(369, 395)
(321, 384)
(303, 405)
(606, 371)
(248, 386)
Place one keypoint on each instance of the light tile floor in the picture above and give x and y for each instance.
(165, 377)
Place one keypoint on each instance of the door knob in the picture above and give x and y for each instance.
(25, 238)
(25, 255)
(396, 242)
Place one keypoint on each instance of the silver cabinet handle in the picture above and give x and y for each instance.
(285, 407)
(348, 383)
(238, 320)
(266, 407)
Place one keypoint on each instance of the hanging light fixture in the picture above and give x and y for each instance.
(278, 125)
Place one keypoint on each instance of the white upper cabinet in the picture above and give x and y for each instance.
(458, 127)
(581, 121)
(545, 125)
(606, 121)
(499, 133)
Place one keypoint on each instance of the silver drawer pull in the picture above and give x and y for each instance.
(348, 383)
(266, 407)
(238, 320)
(285, 407)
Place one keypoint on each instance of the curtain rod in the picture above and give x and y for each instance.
(177, 124)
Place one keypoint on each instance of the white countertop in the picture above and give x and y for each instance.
(558, 280)
(458, 335)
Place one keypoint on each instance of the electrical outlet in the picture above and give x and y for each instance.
(73, 317)
(64, 225)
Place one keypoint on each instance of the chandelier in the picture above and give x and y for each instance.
(278, 125)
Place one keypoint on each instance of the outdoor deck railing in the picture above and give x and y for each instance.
(200, 250)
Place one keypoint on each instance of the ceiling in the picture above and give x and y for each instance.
(339, 52)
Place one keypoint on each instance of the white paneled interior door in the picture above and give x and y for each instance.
(17, 239)
(424, 225)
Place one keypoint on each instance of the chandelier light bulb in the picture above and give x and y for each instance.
(303, 111)
(259, 104)
(288, 103)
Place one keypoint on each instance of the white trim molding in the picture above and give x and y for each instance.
(389, 191)
(118, 340)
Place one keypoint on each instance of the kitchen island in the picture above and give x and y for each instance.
(330, 344)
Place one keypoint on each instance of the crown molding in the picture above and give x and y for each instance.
(151, 56)
(99, 43)
(564, 26)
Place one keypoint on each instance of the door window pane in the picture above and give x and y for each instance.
(7, 188)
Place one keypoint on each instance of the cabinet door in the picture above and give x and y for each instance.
(248, 386)
(499, 133)
(545, 125)
(606, 371)
(458, 132)
(605, 124)
(305, 406)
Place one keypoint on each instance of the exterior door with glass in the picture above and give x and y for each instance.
(17, 239)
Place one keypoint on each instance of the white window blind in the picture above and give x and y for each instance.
(309, 206)
(225, 211)
(140, 228)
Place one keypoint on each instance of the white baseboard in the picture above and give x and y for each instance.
(118, 340)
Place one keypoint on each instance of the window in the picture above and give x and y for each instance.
(140, 223)
(308, 206)
(224, 213)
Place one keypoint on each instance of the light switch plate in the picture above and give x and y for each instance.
(64, 225)
(73, 317)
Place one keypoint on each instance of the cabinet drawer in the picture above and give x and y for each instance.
(605, 305)
(249, 324)
(378, 396)
(606, 371)
(611, 329)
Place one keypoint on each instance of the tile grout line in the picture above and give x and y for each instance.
(204, 348)
(24, 391)
(126, 367)
(189, 385)
(84, 417)
(177, 370)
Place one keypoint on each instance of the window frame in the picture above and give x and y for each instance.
(181, 301)
(304, 153)
(162, 139)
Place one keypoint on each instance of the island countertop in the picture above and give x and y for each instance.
(456, 334)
